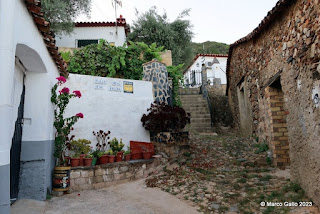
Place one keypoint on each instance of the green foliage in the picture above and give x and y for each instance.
(210, 48)
(62, 14)
(107, 60)
(63, 125)
(81, 146)
(175, 72)
(66, 55)
(115, 145)
(262, 147)
(150, 27)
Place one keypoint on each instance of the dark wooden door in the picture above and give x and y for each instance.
(16, 151)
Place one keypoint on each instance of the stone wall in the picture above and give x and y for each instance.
(171, 145)
(157, 73)
(287, 49)
(101, 176)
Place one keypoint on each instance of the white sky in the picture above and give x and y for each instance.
(213, 20)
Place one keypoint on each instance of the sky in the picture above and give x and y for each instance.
(213, 20)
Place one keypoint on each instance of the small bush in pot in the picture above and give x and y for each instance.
(82, 147)
(75, 160)
(88, 160)
(162, 117)
(127, 154)
(117, 147)
(111, 156)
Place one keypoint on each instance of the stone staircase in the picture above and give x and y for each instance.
(197, 106)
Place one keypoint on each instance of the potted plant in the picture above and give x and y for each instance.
(75, 160)
(88, 160)
(145, 153)
(117, 146)
(103, 157)
(63, 128)
(111, 156)
(63, 125)
(82, 147)
(163, 118)
(127, 154)
(96, 155)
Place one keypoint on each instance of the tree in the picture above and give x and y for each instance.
(62, 13)
(150, 27)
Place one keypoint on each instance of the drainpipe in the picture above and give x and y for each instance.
(7, 60)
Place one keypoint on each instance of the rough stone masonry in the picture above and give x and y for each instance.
(274, 83)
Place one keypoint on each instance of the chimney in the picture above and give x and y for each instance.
(121, 20)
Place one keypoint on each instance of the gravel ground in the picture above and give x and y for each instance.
(229, 173)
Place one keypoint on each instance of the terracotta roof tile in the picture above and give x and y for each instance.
(34, 8)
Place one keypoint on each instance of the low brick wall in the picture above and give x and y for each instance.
(101, 176)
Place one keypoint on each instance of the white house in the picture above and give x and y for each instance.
(216, 70)
(90, 32)
(29, 64)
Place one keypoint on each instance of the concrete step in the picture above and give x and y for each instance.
(200, 120)
(200, 125)
(187, 91)
(189, 105)
(197, 109)
(201, 115)
(204, 130)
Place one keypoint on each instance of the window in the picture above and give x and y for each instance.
(84, 42)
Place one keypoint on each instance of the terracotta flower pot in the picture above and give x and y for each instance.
(119, 156)
(88, 161)
(111, 158)
(135, 156)
(74, 162)
(127, 157)
(81, 162)
(146, 155)
(104, 159)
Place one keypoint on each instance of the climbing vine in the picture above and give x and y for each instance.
(105, 60)
(175, 72)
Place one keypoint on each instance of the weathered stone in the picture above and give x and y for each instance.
(74, 174)
(107, 178)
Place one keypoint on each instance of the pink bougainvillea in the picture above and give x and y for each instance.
(61, 80)
(77, 93)
(65, 90)
(79, 115)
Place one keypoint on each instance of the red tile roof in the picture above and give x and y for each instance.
(121, 22)
(273, 14)
(34, 8)
(198, 55)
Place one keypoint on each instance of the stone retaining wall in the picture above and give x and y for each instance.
(101, 176)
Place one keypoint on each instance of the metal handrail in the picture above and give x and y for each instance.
(205, 94)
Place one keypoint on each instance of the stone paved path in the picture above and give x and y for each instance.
(129, 198)
(227, 174)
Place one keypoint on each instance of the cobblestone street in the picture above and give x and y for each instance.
(230, 174)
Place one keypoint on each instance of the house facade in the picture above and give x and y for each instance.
(274, 84)
(91, 32)
(29, 64)
(215, 66)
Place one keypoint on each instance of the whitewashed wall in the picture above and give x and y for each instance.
(105, 106)
(216, 70)
(107, 33)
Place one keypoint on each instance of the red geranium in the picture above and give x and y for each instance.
(61, 80)
(77, 93)
(79, 115)
(64, 91)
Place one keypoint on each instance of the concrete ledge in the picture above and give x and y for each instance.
(101, 176)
